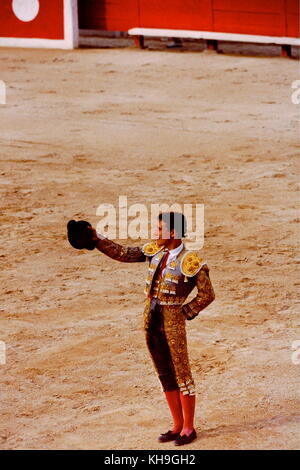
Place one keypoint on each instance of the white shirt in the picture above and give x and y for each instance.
(173, 255)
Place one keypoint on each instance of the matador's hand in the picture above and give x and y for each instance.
(81, 235)
(95, 237)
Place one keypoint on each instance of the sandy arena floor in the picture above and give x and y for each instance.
(81, 128)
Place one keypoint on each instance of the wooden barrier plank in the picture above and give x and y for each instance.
(277, 18)
(293, 27)
(292, 7)
(250, 23)
(250, 6)
(187, 14)
(109, 15)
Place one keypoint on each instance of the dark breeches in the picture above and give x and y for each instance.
(159, 350)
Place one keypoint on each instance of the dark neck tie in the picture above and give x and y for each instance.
(163, 261)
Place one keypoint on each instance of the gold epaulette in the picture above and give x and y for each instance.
(191, 263)
(151, 248)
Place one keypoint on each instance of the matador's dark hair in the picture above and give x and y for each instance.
(175, 220)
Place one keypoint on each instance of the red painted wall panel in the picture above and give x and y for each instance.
(250, 17)
(109, 15)
(293, 28)
(292, 7)
(292, 18)
(48, 24)
(249, 23)
(254, 6)
(257, 17)
(176, 14)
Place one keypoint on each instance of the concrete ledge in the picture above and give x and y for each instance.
(177, 33)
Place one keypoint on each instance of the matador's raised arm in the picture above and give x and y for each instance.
(82, 235)
(126, 254)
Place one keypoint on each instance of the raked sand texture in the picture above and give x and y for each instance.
(81, 128)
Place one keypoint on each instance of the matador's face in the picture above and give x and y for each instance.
(164, 235)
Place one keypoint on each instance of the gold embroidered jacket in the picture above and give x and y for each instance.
(178, 280)
(180, 276)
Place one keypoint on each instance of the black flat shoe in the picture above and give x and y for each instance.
(168, 436)
(182, 440)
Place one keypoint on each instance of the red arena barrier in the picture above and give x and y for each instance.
(251, 17)
(269, 21)
(54, 23)
(39, 23)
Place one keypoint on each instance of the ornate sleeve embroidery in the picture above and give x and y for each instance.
(119, 252)
(204, 297)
